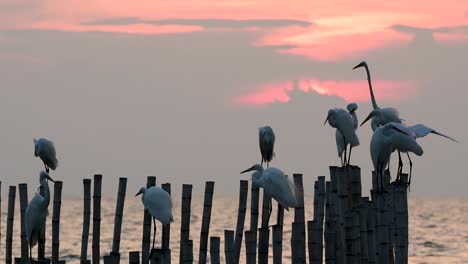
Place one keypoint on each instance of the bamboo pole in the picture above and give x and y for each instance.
(205, 227)
(250, 246)
(157, 257)
(339, 191)
(264, 231)
(134, 257)
(229, 246)
(86, 220)
(56, 221)
(254, 202)
(214, 250)
(280, 214)
(41, 239)
(330, 226)
(9, 228)
(187, 258)
(372, 231)
(363, 209)
(146, 236)
(382, 230)
(185, 221)
(96, 218)
(297, 243)
(243, 190)
(355, 187)
(166, 232)
(277, 244)
(23, 196)
(401, 221)
(115, 253)
(316, 237)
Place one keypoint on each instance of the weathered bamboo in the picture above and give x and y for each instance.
(353, 244)
(166, 232)
(330, 226)
(250, 246)
(277, 244)
(372, 231)
(312, 243)
(214, 250)
(56, 221)
(299, 217)
(146, 236)
(297, 244)
(96, 218)
(187, 258)
(342, 203)
(86, 220)
(157, 257)
(107, 259)
(354, 186)
(9, 228)
(134, 257)
(229, 246)
(315, 243)
(115, 253)
(264, 231)
(41, 239)
(243, 190)
(401, 221)
(205, 227)
(382, 231)
(363, 208)
(23, 196)
(280, 213)
(185, 221)
(254, 202)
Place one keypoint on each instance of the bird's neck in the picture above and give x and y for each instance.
(369, 81)
(45, 193)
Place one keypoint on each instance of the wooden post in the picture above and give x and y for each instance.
(382, 227)
(9, 228)
(299, 218)
(214, 250)
(340, 175)
(56, 221)
(243, 190)
(96, 218)
(264, 231)
(229, 246)
(254, 202)
(23, 195)
(134, 257)
(372, 232)
(157, 257)
(330, 226)
(277, 244)
(166, 232)
(115, 253)
(363, 208)
(185, 221)
(297, 243)
(315, 228)
(205, 227)
(250, 246)
(146, 236)
(355, 187)
(401, 221)
(188, 252)
(86, 220)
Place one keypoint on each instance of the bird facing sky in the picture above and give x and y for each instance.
(45, 150)
(36, 212)
(266, 138)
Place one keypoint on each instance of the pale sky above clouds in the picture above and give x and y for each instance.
(178, 90)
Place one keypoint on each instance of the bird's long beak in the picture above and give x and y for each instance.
(367, 118)
(247, 170)
(362, 64)
(139, 192)
(401, 131)
(50, 179)
(324, 123)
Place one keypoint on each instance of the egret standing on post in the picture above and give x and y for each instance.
(266, 138)
(45, 150)
(159, 204)
(343, 122)
(340, 144)
(275, 184)
(36, 213)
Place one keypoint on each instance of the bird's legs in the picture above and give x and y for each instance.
(341, 159)
(410, 170)
(261, 163)
(400, 167)
(154, 238)
(268, 164)
(46, 168)
(349, 158)
(344, 140)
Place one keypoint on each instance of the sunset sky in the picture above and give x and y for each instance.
(178, 89)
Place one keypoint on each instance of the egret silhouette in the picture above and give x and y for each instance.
(340, 143)
(45, 150)
(266, 138)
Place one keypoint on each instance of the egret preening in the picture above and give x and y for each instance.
(340, 143)
(36, 213)
(274, 183)
(343, 122)
(45, 150)
(386, 115)
(266, 138)
(159, 204)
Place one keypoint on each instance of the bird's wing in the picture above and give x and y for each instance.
(48, 154)
(345, 124)
(340, 144)
(159, 203)
(390, 115)
(279, 187)
(267, 142)
(403, 129)
(422, 131)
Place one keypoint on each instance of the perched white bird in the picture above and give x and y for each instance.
(274, 183)
(340, 144)
(386, 115)
(36, 212)
(45, 150)
(159, 204)
(266, 139)
(343, 122)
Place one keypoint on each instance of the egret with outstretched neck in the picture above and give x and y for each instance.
(266, 138)
(45, 150)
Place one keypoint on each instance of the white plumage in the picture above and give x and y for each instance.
(45, 150)
(266, 138)
(340, 143)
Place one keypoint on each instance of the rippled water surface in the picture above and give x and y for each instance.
(438, 228)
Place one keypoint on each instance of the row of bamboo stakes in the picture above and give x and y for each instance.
(346, 227)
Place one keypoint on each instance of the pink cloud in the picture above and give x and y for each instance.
(350, 91)
(451, 37)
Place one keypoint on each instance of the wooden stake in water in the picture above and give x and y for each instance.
(147, 219)
(299, 219)
(23, 195)
(229, 246)
(96, 218)
(86, 220)
(166, 231)
(9, 228)
(250, 246)
(401, 221)
(316, 227)
(185, 221)
(264, 231)
(205, 227)
(187, 258)
(56, 221)
(243, 189)
(372, 232)
(330, 226)
(254, 202)
(297, 244)
(134, 257)
(214, 250)
(277, 244)
(115, 253)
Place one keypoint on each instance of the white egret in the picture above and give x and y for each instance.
(386, 115)
(266, 139)
(36, 213)
(159, 204)
(343, 122)
(45, 150)
(274, 183)
(340, 144)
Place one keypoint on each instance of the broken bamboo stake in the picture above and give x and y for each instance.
(205, 226)
(243, 191)
(56, 221)
(185, 221)
(115, 253)
(96, 218)
(86, 220)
